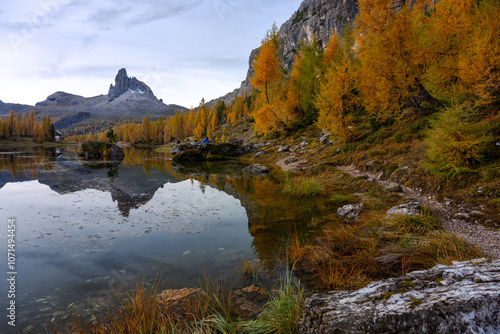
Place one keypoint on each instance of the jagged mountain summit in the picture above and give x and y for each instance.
(128, 98)
(123, 83)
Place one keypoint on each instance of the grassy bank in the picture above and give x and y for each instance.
(28, 144)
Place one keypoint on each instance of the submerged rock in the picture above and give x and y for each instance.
(256, 169)
(462, 298)
(350, 211)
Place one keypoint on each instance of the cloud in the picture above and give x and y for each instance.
(181, 48)
(133, 13)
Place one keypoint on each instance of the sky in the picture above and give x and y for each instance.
(185, 50)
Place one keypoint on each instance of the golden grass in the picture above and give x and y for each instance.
(303, 185)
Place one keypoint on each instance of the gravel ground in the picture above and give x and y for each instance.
(450, 217)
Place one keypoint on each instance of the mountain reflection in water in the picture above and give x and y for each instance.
(86, 228)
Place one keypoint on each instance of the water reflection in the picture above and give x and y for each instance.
(87, 227)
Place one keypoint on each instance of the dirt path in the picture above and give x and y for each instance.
(475, 233)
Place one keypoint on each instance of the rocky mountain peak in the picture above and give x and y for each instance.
(124, 83)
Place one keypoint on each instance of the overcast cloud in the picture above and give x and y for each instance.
(183, 49)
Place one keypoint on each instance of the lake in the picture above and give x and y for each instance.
(87, 229)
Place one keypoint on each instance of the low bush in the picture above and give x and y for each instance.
(456, 139)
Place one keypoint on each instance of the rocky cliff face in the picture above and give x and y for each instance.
(462, 298)
(314, 18)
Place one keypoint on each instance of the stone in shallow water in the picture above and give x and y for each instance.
(462, 298)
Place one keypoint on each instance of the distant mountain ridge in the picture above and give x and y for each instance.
(128, 98)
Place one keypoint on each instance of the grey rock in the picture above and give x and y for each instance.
(291, 161)
(284, 149)
(258, 154)
(380, 176)
(323, 139)
(303, 144)
(369, 164)
(262, 144)
(404, 169)
(394, 188)
(350, 211)
(175, 149)
(462, 298)
(256, 169)
(476, 213)
(410, 209)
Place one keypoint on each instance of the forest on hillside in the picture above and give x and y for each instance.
(397, 61)
(16, 125)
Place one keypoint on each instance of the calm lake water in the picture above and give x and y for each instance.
(85, 229)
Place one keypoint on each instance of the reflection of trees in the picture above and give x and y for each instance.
(273, 217)
(148, 160)
(24, 163)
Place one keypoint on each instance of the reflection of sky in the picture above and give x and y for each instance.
(87, 221)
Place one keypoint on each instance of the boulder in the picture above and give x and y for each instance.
(198, 152)
(394, 188)
(350, 211)
(175, 149)
(258, 154)
(284, 149)
(260, 145)
(256, 169)
(410, 209)
(462, 298)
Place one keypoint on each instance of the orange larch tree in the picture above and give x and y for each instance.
(338, 97)
(266, 63)
(391, 73)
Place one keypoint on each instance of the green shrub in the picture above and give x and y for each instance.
(456, 139)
